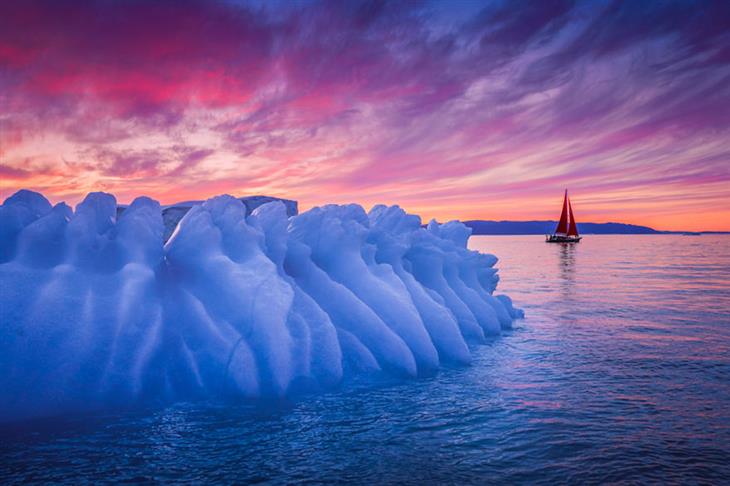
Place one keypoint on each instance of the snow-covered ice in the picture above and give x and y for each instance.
(96, 311)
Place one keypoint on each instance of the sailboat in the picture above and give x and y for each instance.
(567, 230)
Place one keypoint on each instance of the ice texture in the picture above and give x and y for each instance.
(97, 311)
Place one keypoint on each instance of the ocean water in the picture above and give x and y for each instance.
(619, 373)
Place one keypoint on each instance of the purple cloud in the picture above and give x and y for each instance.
(402, 100)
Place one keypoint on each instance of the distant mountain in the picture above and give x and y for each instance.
(251, 203)
(480, 227)
(173, 213)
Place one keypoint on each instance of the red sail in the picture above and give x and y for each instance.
(573, 230)
(563, 224)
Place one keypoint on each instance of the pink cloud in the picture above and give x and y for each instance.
(368, 100)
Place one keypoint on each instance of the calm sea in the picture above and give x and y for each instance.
(619, 373)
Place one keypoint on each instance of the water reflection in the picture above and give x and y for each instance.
(566, 269)
(567, 260)
(635, 386)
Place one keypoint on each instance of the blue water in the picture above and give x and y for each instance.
(620, 373)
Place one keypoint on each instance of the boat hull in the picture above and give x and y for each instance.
(562, 239)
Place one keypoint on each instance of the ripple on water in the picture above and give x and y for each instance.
(621, 373)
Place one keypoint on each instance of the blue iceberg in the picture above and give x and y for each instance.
(97, 311)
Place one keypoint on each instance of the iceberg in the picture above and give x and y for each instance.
(98, 309)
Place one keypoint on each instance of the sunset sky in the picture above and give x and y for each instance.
(469, 110)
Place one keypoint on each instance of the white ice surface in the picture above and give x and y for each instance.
(95, 311)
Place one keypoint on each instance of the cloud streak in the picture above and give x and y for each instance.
(475, 112)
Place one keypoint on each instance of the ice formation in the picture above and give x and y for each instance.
(97, 311)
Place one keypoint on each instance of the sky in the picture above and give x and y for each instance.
(451, 109)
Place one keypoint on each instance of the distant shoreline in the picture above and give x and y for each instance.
(516, 228)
